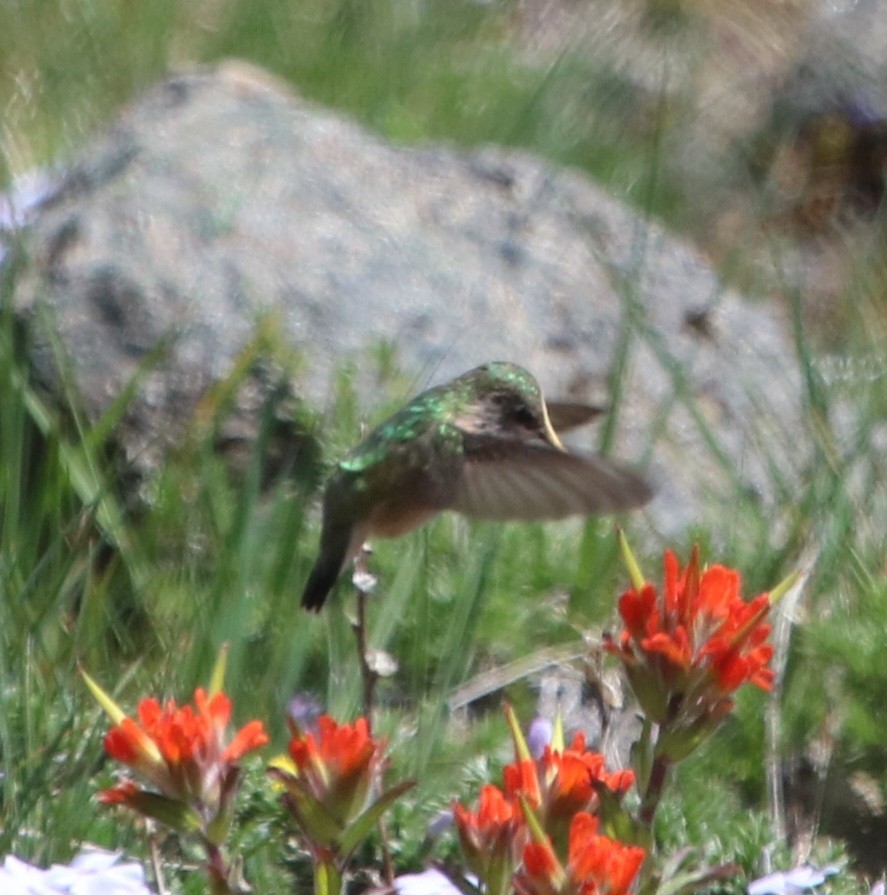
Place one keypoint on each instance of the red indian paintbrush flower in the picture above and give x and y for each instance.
(563, 781)
(338, 765)
(522, 836)
(492, 838)
(182, 751)
(596, 865)
(183, 754)
(688, 648)
(333, 788)
(189, 762)
(570, 777)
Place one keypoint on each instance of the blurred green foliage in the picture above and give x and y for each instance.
(440, 69)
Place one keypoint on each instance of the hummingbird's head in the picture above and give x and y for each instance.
(507, 401)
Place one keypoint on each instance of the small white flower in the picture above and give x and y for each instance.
(429, 882)
(791, 882)
(92, 872)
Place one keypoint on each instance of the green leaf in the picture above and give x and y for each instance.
(360, 828)
(312, 817)
(631, 563)
(170, 812)
(616, 821)
(534, 825)
(217, 830)
(521, 749)
(217, 679)
(558, 740)
(111, 708)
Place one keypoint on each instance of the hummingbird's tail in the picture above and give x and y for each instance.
(335, 547)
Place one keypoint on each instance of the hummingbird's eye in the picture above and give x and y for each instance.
(523, 416)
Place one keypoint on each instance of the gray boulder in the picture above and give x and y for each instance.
(220, 201)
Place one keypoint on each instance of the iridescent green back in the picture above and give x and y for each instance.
(431, 413)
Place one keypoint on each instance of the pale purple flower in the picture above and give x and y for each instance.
(439, 824)
(304, 709)
(539, 736)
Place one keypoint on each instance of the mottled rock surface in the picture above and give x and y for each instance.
(220, 199)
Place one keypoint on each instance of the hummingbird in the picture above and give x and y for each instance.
(483, 445)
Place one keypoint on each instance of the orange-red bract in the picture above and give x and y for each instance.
(698, 635)
(338, 764)
(491, 837)
(596, 864)
(181, 750)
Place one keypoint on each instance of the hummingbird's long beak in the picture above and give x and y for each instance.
(549, 433)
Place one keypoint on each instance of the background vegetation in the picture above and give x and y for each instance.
(144, 602)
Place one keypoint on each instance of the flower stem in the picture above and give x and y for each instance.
(217, 870)
(364, 583)
(327, 879)
(367, 675)
(156, 866)
(653, 793)
(368, 678)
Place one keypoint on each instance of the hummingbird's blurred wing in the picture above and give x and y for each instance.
(566, 415)
(510, 479)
